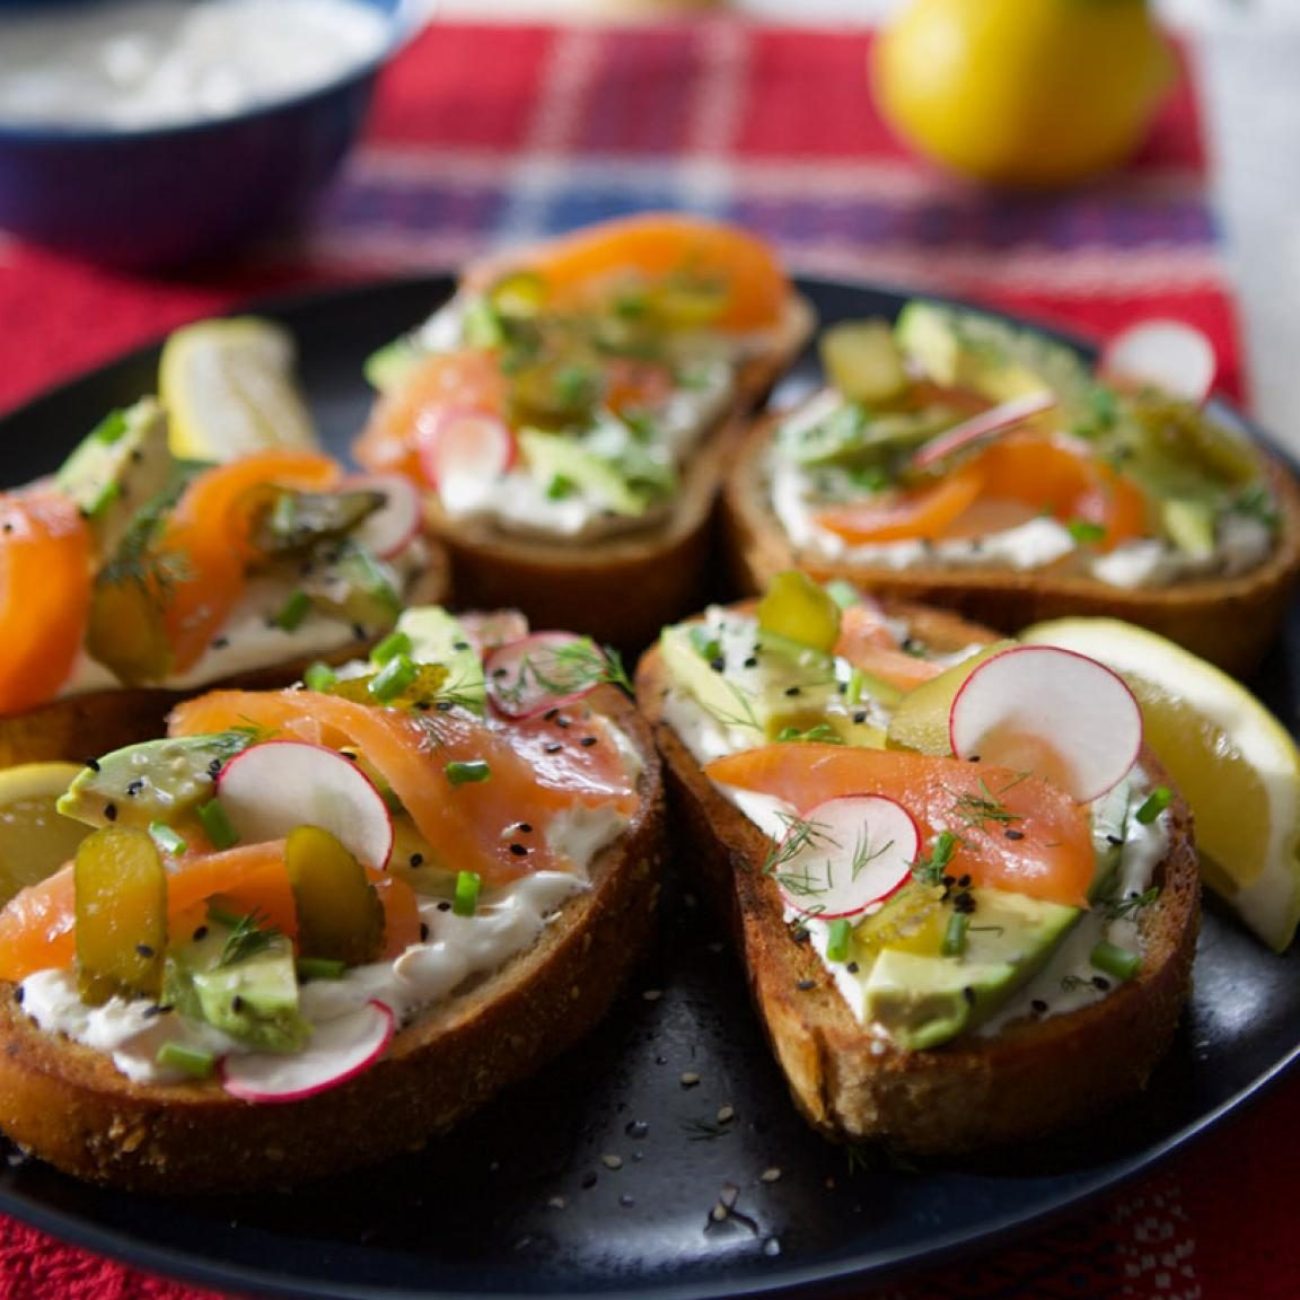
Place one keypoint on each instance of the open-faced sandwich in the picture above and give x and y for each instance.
(965, 896)
(957, 459)
(567, 413)
(315, 926)
(132, 576)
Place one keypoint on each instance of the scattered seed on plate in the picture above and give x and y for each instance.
(557, 1202)
(652, 995)
(726, 1114)
(690, 1079)
(770, 1175)
(612, 1161)
(718, 1213)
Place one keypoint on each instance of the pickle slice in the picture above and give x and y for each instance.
(121, 910)
(796, 608)
(340, 916)
(126, 631)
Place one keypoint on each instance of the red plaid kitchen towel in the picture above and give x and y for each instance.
(487, 135)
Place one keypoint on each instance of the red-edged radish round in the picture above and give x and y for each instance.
(546, 670)
(463, 452)
(396, 524)
(269, 789)
(1053, 712)
(847, 854)
(1165, 354)
(490, 631)
(337, 1051)
(997, 419)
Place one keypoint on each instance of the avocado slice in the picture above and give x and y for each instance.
(965, 349)
(155, 781)
(346, 582)
(1190, 525)
(120, 465)
(920, 722)
(253, 998)
(437, 638)
(863, 360)
(781, 687)
(924, 999)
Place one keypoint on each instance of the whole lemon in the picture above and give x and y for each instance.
(1023, 92)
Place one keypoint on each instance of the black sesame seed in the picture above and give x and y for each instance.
(588, 1181)
(110, 811)
(563, 722)
(214, 767)
(804, 985)
(793, 690)
(444, 907)
(150, 1012)
(1012, 834)
(587, 741)
(416, 859)
(500, 672)
(974, 758)
(134, 788)
(460, 645)
(550, 715)
(359, 631)
(751, 662)
(201, 933)
(719, 665)
(144, 950)
(220, 642)
(1039, 1005)
(800, 935)
(1100, 983)
(1114, 840)
(443, 706)
(525, 827)
(236, 1004)
(519, 850)
(969, 994)
(424, 705)
(19, 995)
(964, 903)
(93, 764)
(963, 882)
(860, 717)
(165, 1008)
(949, 881)
(9, 527)
(852, 968)
(424, 931)
(553, 748)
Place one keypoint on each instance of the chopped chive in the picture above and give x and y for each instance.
(1155, 803)
(468, 886)
(320, 968)
(218, 915)
(837, 941)
(560, 486)
(393, 678)
(1114, 960)
(194, 1061)
(394, 644)
(853, 692)
(707, 646)
(473, 769)
(844, 594)
(954, 937)
(217, 824)
(166, 838)
(293, 611)
(319, 677)
(1085, 531)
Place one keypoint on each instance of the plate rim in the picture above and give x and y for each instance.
(139, 1252)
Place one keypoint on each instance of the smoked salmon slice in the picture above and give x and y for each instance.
(1015, 831)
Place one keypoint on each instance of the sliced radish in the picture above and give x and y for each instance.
(533, 674)
(396, 524)
(1053, 712)
(271, 788)
(490, 631)
(463, 453)
(851, 852)
(1165, 354)
(997, 419)
(338, 1050)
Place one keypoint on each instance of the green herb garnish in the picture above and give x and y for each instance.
(194, 1061)
(249, 935)
(1085, 532)
(319, 677)
(1116, 961)
(393, 678)
(291, 614)
(394, 644)
(838, 939)
(166, 838)
(217, 825)
(320, 968)
(469, 885)
(931, 869)
(1155, 803)
(954, 937)
(469, 771)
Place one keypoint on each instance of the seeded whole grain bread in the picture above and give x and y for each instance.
(68, 1105)
(77, 727)
(1033, 1077)
(623, 588)
(1229, 621)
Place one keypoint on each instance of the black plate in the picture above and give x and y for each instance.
(523, 1199)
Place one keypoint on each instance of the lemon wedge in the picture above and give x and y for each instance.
(35, 841)
(228, 387)
(1233, 761)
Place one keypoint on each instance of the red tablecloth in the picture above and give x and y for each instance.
(485, 135)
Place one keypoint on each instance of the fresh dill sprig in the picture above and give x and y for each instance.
(1126, 907)
(823, 733)
(138, 559)
(931, 868)
(863, 854)
(800, 833)
(249, 935)
(576, 666)
(979, 809)
(745, 717)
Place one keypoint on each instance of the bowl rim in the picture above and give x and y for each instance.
(404, 20)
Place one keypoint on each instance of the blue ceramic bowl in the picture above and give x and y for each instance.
(157, 197)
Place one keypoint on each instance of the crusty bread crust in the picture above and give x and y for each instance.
(1229, 621)
(621, 589)
(1033, 1077)
(68, 1104)
(88, 725)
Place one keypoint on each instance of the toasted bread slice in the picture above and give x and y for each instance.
(82, 726)
(1229, 621)
(1033, 1077)
(67, 1104)
(620, 589)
